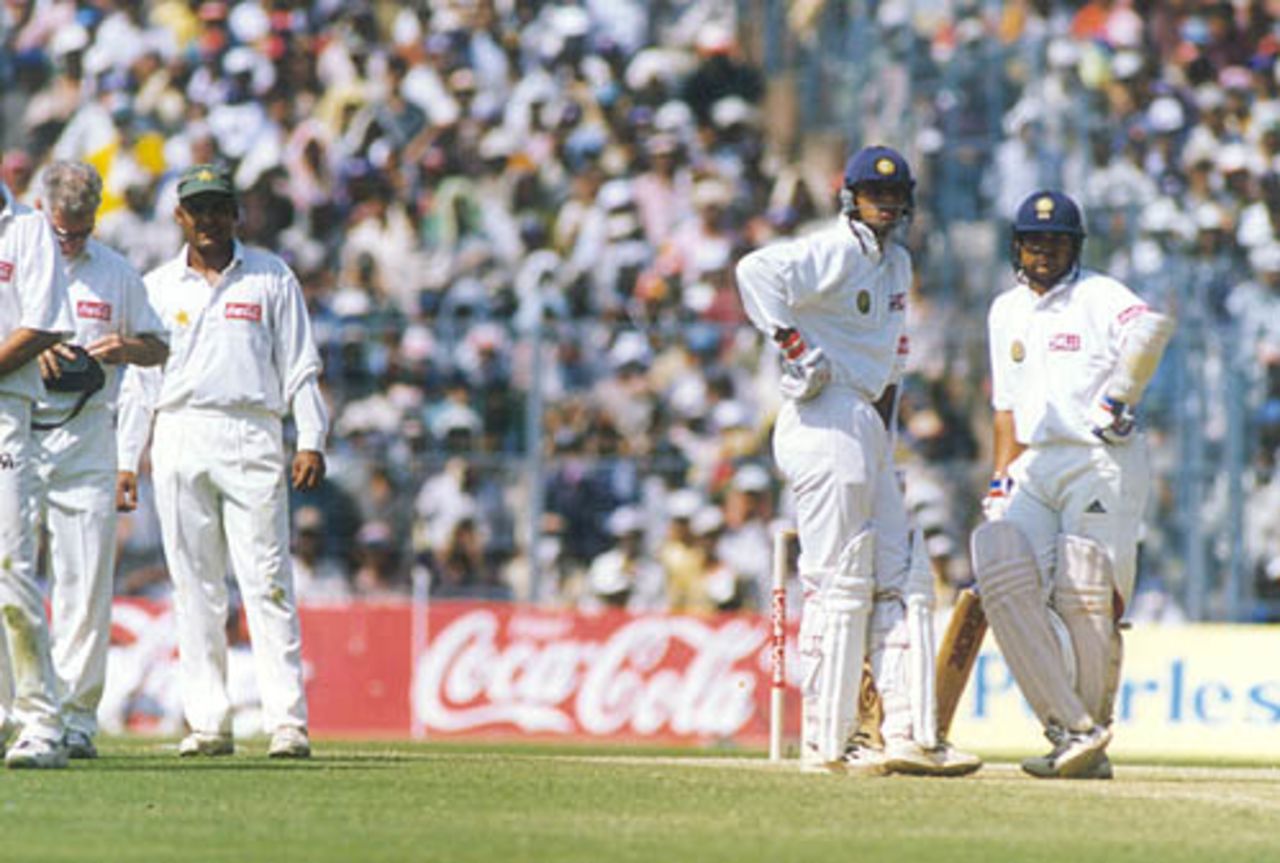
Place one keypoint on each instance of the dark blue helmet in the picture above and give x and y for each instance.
(1047, 212)
(878, 164)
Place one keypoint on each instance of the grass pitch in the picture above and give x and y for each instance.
(462, 803)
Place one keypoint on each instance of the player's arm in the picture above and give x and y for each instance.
(299, 364)
(1004, 443)
(139, 389)
(1144, 335)
(146, 349)
(765, 282)
(22, 346)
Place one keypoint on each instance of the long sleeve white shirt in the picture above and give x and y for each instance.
(33, 287)
(107, 296)
(1052, 355)
(842, 294)
(244, 344)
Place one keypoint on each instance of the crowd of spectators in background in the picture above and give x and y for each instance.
(512, 209)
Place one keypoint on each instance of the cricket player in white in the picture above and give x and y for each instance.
(34, 315)
(74, 482)
(241, 355)
(1071, 353)
(835, 303)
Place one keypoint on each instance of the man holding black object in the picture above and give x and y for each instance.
(74, 447)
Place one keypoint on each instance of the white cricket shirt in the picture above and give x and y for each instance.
(242, 345)
(842, 294)
(107, 296)
(1053, 354)
(33, 287)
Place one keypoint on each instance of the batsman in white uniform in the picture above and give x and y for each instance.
(1071, 353)
(34, 315)
(835, 303)
(241, 355)
(74, 488)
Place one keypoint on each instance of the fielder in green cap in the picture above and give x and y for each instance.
(205, 180)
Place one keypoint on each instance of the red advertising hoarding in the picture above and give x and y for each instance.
(485, 669)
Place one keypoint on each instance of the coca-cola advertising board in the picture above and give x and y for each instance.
(483, 669)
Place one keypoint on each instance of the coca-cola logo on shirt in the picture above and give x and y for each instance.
(6, 271)
(1064, 342)
(243, 312)
(95, 311)
(665, 676)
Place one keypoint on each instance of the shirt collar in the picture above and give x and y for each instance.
(6, 202)
(237, 256)
(865, 238)
(1058, 291)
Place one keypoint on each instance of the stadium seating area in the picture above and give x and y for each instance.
(516, 223)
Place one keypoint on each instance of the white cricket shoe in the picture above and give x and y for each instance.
(1075, 754)
(79, 745)
(909, 757)
(949, 761)
(36, 753)
(199, 743)
(857, 760)
(290, 742)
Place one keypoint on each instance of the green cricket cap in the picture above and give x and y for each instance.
(205, 180)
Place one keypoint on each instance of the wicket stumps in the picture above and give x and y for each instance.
(784, 542)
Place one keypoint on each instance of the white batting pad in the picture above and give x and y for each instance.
(921, 649)
(1083, 594)
(1010, 587)
(839, 640)
(889, 646)
(920, 673)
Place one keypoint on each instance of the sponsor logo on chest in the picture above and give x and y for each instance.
(243, 311)
(1064, 342)
(6, 271)
(898, 302)
(93, 310)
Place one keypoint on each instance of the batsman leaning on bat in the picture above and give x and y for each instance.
(835, 304)
(1071, 354)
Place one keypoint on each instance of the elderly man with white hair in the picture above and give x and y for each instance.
(73, 495)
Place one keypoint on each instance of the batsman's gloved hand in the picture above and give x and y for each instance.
(999, 493)
(1112, 421)
(805, 371)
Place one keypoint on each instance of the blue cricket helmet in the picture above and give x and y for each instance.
(878, 164)
(1048, 212)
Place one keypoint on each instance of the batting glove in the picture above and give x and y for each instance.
(1112, 421)
(805, 371)
(999, 493)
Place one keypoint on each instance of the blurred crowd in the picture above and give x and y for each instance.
(516, 223)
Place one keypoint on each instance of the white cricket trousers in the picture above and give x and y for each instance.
(221, 495)
(1099, 492)
(834, 452)
(73, 497)
(28, 695)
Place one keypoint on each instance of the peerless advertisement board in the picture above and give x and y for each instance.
(459, 669)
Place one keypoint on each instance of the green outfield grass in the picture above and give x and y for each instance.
(453, 802)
